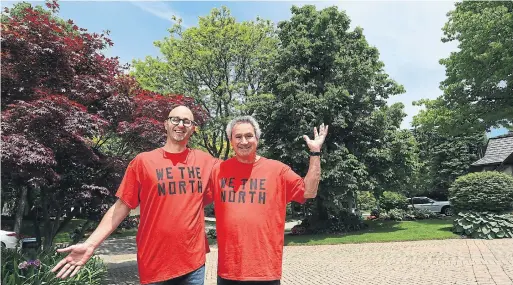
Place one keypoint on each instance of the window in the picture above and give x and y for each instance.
(421, 200)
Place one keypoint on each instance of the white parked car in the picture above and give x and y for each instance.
(11, 240)
(432, 205)
(8, 239)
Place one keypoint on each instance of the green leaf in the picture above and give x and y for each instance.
(458, 229)
(464, 222)
(485, 57)
(469, 226)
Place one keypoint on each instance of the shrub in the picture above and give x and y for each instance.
(209, 211)
(342, 222)
(384, 217)
(298, 230)
(130, 222)
(408, 215)
(393, 200)
(422, 214)
(397, 214)
(375, 213)
(347, 222)
(366, 200)
(212, 234)
(34, 268)
(484, 225)
(482, 191)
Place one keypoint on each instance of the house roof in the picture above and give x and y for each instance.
(498, 150)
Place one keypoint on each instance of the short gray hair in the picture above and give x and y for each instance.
(242, 120)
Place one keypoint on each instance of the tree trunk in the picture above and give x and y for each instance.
(227, 150)
(377, 195)
(80, 233)
(377, 204)
(50, 228)
(350, 201)
(20, 211)
(46, 219)
(34, 216)
(57, 226)
(48, 231)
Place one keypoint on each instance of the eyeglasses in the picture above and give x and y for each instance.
(176, 121)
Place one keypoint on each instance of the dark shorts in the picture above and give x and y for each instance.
(222, 281)
(197, 277)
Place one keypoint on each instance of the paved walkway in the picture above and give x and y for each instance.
(457, 261)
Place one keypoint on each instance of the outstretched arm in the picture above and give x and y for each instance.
(80, 253)
(313, 176)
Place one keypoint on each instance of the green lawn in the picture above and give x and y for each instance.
(382, 231)
(378, 231)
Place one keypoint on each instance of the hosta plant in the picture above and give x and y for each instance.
(484, 225)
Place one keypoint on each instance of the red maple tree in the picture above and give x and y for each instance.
(71, 119)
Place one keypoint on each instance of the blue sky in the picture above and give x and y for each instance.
(406, 33)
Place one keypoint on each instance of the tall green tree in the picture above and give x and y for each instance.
(326, 73)
(444, 156)
(221, 63)
(478, 90)
(392, 159)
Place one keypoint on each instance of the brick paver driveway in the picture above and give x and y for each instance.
(458, 261)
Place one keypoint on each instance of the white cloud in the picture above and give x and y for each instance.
(159, 9)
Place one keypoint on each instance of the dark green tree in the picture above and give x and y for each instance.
(444, 158)
(325, 73)
(444, 155)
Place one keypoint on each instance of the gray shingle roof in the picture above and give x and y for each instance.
(498, 149)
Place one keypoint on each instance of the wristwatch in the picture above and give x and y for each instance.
(313, 153)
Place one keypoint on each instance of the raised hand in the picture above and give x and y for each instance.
(319, 137)
(78, 255)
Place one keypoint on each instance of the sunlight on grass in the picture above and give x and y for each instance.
(382, 231)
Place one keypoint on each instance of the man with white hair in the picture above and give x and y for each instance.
(250, 195)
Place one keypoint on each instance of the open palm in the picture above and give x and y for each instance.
(78, 255)
(319, 137)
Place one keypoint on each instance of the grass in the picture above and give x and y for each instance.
(382, 231)
(378, 231)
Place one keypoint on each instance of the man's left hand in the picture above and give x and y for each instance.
(316, 144)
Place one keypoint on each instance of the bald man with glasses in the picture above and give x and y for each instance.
(168, 184)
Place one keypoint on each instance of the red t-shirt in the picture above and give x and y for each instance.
(250, 204)
(169, 188)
